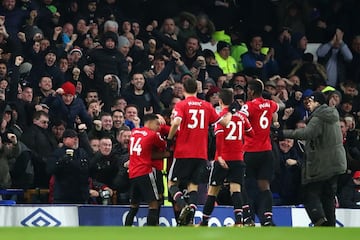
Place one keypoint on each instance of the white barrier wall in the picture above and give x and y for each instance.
(38, 216)
(344, 217)
(99, 215)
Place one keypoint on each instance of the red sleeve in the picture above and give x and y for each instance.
(159, 142)
(164, 130)
(214, 117)
(247, 126)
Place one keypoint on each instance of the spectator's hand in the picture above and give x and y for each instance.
(148, 110)
(152, 42)
(150, 74)
(3, 31)
(74, 37)
(18, 60)
(57, 15)
(57, 30)
(175, 55)
(259, 64)
(126, 164)
(82, 127)
(97, 124)
(21, 36)
(38, 108)
(339, 36)
(165, 84)
(89, 71)
(139, 44)
(151, 57)
(76, 73)
(270, 54)
(59, 91)
(291, 162)
(93, 193)
(136, 121)
(12, 138)
(287, 113)
(276, 124)
(107, 78)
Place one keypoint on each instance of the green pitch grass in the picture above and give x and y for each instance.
(178, 233)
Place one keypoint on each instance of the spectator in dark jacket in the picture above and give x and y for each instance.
(70, 166)
(350, 193)
(42, 145)
(65, 106)
(287, 180)
(47, 68)
(104, 61)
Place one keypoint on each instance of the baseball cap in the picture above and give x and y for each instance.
(318, 97)
(69, 133)
(270, 84)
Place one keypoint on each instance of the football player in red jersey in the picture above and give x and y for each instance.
(143, 141)
(229, 161)
(191, 119)
(258, 149)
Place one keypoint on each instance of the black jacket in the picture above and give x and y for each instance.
(71, 175)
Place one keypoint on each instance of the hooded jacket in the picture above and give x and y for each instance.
(324, 151)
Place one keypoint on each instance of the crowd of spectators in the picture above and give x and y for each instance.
(97, 66)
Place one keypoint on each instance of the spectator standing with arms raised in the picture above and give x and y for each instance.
(334, 55)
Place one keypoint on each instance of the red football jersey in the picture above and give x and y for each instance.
(229, 139)
(259, 112)
(159, 163)
(192, 136)
(142, 142)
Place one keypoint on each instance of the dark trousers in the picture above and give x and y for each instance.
(319, 200)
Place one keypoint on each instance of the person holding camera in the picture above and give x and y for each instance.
(69, 165)
(104, 168)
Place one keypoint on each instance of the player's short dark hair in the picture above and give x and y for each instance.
(150, 117)
(256, 85)
(190, 85)
(226, 96)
